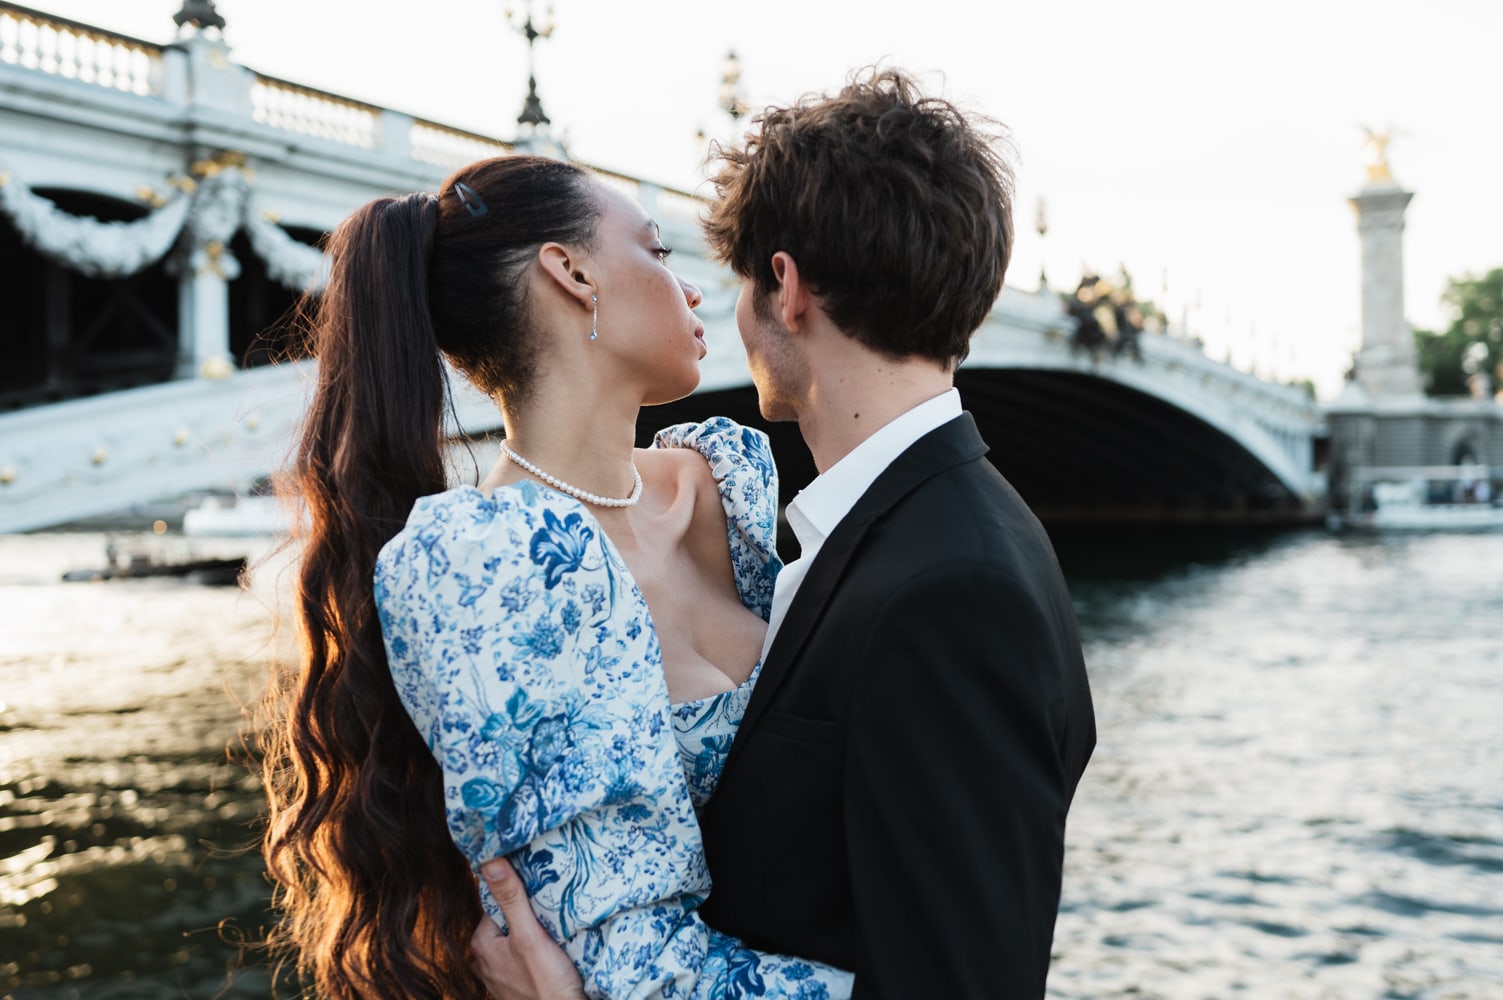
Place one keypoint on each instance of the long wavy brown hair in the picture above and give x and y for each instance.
(376, 900)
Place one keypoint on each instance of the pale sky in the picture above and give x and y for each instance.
(1209, 147)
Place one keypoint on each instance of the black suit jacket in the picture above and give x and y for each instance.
(894, 802)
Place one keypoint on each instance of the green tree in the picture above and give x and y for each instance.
(1473, 343)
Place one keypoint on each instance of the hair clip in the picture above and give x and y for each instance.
(472, 202)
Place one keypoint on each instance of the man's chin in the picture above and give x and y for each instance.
(776, 411)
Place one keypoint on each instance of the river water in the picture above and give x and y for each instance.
(1298, 791)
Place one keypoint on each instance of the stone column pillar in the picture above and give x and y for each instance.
(394, 135)
(205, 267)
(203, 307)
(1387, 365)
(218, 94)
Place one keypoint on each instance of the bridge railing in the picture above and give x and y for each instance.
(295, 108)
(447, 146)
(667, 205)
(36, 40)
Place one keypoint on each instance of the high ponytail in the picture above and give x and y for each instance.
(376, 899)
(346, 843)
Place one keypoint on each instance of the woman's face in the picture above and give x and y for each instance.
(646, 320)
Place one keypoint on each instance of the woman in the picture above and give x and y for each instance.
(548, 666)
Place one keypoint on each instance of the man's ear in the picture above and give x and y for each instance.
(791, 299)
(567, 270)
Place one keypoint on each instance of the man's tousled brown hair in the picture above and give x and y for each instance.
(896, 207)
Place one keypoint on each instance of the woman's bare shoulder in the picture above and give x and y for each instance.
(680, 475)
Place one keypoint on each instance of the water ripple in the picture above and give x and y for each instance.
(1295, 794)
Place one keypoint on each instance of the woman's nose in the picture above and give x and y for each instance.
(691, 293)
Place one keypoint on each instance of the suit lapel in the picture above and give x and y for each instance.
(948, 445)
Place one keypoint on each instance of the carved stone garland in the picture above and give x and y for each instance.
(208, 214)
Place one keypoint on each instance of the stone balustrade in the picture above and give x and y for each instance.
(34, 40)
(448, 147)
(296, 108)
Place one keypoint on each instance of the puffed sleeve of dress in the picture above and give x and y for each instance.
(523, 651)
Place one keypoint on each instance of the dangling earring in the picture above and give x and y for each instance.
(595, 319)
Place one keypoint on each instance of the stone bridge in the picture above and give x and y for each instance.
(1172, 436)
(157, 210)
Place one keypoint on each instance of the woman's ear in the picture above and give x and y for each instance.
(567, 270)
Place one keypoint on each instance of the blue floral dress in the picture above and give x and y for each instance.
(524, 653)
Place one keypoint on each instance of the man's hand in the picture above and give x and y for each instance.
(524, 963)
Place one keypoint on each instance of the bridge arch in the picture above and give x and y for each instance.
(1079, 446)
(1076, 446)
(68, 334)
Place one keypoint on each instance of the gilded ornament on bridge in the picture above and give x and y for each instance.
(1375, 155)
(216, 368)
(215, 260)
(222, 160)
(148, 196)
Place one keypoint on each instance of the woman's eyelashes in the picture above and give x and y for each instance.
(661, 252)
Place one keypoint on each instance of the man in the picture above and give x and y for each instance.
(894, 802)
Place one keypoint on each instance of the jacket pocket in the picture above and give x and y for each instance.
(818, 731)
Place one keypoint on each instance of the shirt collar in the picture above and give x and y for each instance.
(825, 502)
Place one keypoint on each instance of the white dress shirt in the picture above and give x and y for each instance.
(824, 503)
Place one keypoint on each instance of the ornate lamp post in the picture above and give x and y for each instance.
(199, 13)
(532, 115)
(731, 100)
(1041, 226)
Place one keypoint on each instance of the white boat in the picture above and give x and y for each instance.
(1443, 498)
(238, 516)
(1436, 517)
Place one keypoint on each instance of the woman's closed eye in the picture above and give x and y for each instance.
(661, 252)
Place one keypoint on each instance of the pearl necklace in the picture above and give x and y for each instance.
(575, 491)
